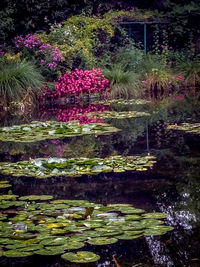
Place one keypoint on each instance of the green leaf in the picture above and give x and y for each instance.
(81, 257)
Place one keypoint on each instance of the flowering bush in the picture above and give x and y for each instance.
(80, 82)
(46, 55)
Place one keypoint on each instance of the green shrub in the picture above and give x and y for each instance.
(84, 41)
(130, 57)
(17, 79)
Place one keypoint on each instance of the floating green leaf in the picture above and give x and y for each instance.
(81, 257)
(193, 128)
(116, 115)
(102, 241)
(59, 225)
(124, 102)
(34, 197)
(5, 185)
(155, 215)
(76, 167)
(37, 131)
(8, 197)
(17, 253)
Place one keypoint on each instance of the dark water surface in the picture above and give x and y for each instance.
(172, 186)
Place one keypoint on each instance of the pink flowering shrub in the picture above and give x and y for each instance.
(81, 82)
(76, 83)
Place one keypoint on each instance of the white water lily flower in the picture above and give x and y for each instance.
(56, 160)
(26, 129)
(37, 162)
(52, 132)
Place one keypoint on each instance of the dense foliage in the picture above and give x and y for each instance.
(74, 53)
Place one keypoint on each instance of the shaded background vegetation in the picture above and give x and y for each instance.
(24, 16)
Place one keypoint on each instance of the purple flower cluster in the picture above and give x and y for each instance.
(44, 47)
(48, 56)
(1, 52)
(30, 41)
(52, 55)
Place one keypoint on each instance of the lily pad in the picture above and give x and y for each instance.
(128, 236)
(124, 102)
(154, 232)
(133, 217)
(49, 252)
(77, 167)
(17, 253)
(37, 131)
(81, 257)
(193, 128)
(102, 241)
(8, 197)
(36, 197)
(72, 244)
(116, 115)
(155, 215)
(5, 185)
(52, 227)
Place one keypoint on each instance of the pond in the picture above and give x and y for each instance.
(124, 160)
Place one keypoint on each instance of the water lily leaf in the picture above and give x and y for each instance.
(52, 130)
(132, 217)
(81, 257)
(54, 241)
(123, 102)
(151, 222)
(128, 236)
(6, 241)
(79, 166)
(154, 232)
(8, 197)
(16, 253)
(58, 231)
(78, 237)
(5, 185)
(155, 215)
(49, 252)
(31, 247)
(193, 128)
(162, 227)
(116, 115)
(129, 210)
(102, 241)
(73, 244)
(36, 197)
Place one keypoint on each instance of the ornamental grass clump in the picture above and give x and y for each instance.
(123, 83)
(80, 82)
(17, 79)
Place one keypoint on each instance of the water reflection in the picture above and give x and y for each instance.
(172, 186)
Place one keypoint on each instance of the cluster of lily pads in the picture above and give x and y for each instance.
(74, 167)
(117, 115)
(37, 131)
(187, 127)
(124, 102)
(29, 225)
(4, 184)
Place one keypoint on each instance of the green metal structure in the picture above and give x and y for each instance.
(145, 23)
